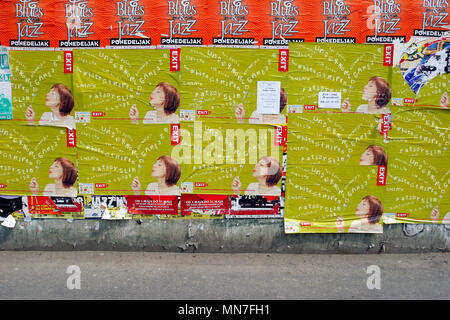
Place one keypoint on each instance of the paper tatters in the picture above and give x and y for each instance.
(424, 60)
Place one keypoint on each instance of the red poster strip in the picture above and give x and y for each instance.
(175, 138)
(175, 59)
(381, 175)
(68, 62)
(388, 57)
(71, 135)
(283, 60)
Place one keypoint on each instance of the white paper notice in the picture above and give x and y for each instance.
(268, 97)
(330, 100)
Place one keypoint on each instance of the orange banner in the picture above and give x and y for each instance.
(78, 24)
(429, 17)
(235, 22)
(181, 22)
(145, 23)
(387, 21)
(335, 21)
(27, 23)
(284, 21)
(127, 23)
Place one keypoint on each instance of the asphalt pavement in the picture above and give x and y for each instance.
(29, 275)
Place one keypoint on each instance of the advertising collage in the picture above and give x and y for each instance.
(332, 116)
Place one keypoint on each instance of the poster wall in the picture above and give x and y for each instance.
(336, 141)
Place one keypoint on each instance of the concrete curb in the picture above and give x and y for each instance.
(215, 236)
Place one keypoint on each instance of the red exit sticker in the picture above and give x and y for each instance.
(402, 215)
(409, 100)
(71, 135)
(309, 107)
(97, 114)
(175, 59)
(201, 184)
(388, 58)
(175, 134)
(381, 176)
(68, 62)
(283, 60)
(306, 224)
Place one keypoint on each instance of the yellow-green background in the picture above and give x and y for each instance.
(28, 151)
(315, 68)
(219, 79)
(33, 75)
(324, 177)
(418, 172)
(112, 80)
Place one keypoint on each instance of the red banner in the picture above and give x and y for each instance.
(381, 175)
(53, 205)
(152, 204)
(68, 62)
(283, 60)
(204, 204)
(71, 135)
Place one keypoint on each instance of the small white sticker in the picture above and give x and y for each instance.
(291, 227)
(331, 100)
(187, 115)
(187, 187)
(268, 97)
(82, 117)
(86, 188)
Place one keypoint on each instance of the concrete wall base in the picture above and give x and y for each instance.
(213, 236)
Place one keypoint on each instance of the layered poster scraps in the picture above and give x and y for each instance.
(142, 139)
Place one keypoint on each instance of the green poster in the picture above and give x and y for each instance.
(418, 174)
(35, 160)
(134, 85)
(339, 77)
(42, 92)
(332, 174)
(119, 158)
(220, 84)
(229, 159)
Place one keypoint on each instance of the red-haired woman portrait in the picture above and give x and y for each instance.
(167, 171)
(369, 211)
(165, 99)
(377, 93)
(373, 156)
(64, 173)
(60, 101)
(268, 173)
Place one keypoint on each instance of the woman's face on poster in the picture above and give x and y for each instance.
(159, 169)
(367, 158)
(370, 91)
(55, 171)
(362, 210)
(52, 98)
(261, 169)
(157, 98)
